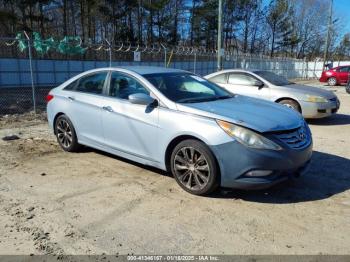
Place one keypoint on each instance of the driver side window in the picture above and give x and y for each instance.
(241, 79)
(122, 85)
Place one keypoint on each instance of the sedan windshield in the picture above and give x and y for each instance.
(186, 88)
(273, 78)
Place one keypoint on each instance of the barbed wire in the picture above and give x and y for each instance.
(156, 48)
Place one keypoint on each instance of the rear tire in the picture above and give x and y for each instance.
(332, 81)
(194, 167)
(347, 88)
(65, 134)
(291, 104)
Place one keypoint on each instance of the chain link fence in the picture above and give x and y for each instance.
(27, 76)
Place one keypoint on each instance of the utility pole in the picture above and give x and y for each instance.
(325, 55)
(219, 45)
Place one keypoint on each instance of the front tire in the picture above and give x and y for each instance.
(194, 167)
(332, 81)
(65, 134)
(291, 104)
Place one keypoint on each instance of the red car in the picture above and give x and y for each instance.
(336, 76)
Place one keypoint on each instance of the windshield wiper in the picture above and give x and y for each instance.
(203, 99)
(223, 97)
(193, 100)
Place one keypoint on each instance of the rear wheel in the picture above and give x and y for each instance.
(65, 133)
(291, 104)
(332, 81)
(347, 88)
(194, 167)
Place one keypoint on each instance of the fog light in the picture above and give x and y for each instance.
(259, 173)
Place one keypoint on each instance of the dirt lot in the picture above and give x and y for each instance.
(52, 202)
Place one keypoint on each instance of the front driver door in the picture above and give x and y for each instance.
(129, 128)
(243, 84)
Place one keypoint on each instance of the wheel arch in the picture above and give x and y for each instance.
(336, 78)
(292, 99)
(55, 119)
(175, 141)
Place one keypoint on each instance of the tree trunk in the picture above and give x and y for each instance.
(65, 31)
(42, 26)
(246, 33)
(273, 40)
(174, 34)
(192, 20)
(139, 22)
(82, 14)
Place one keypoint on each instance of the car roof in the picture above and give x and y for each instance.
(336, 67)
(145, 70)
(230, 71)
(235, 70)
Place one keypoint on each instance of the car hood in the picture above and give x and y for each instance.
(310, 90)
(256, 114)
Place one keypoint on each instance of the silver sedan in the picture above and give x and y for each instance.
(311, 102)
(179, 122)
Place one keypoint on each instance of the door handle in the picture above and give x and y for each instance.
(71, 98)
(107, 108)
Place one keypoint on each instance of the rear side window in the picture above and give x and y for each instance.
(344, 69)
(92, 83)
(219, 79)
(71, 86)
(241, 79)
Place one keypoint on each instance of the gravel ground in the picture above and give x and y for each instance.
(52, 202)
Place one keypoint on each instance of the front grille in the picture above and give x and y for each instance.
(296, 138)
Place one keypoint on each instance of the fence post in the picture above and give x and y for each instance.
(110, 52)
(314, 68)
(164, 48)
(31, 70)
(194, 62)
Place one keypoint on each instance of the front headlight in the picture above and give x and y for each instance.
(316, 99)
(247, 137)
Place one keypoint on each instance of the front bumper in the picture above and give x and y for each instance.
(236, 160)
(319, 110)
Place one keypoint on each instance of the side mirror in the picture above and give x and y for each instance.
(141, 99)
(258, 83)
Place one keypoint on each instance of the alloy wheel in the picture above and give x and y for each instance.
(332, 81)
(64, 133)
(289, 106)
(191, 168)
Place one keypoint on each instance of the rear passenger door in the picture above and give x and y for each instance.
(344, 74)
(244, 84)
(85, 100)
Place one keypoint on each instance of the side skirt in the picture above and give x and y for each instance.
(122, 154)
